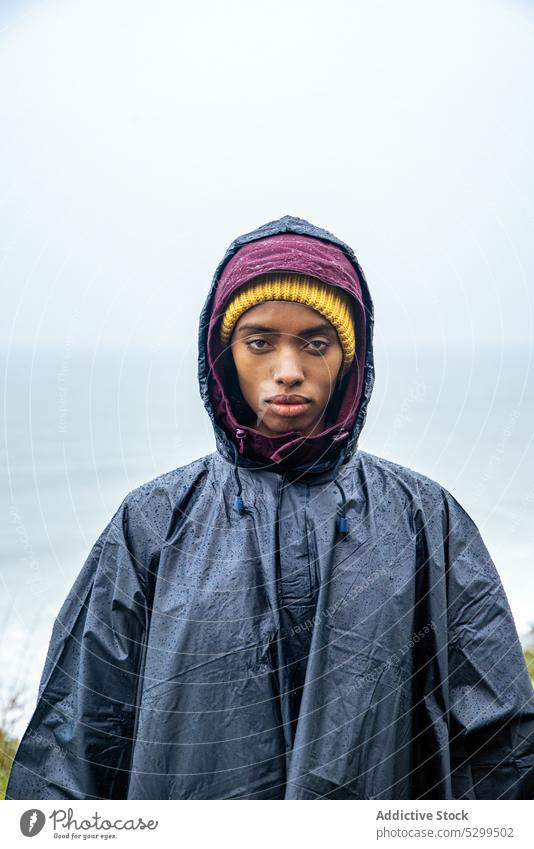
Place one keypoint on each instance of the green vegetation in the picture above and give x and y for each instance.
(528, 651)
(11, 711)
(8, 747)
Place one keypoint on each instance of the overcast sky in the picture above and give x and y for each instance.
(138, 139)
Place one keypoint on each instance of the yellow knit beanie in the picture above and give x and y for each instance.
(330, 301)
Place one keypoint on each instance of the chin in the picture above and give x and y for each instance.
(284, 425)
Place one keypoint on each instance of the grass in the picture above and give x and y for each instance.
(10, 712)
(8, 747)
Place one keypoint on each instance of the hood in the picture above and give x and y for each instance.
(289, 244)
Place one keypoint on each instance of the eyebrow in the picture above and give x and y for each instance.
(325, 326)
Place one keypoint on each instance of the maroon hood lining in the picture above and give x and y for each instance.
(305, 255)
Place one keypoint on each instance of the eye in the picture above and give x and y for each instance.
(319, 342)
(251, 342)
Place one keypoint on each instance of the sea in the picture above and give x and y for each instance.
(83, 427)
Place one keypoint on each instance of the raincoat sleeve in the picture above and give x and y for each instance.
(491, 718)
(78, 743)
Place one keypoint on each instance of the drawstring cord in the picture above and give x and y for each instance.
(342, 523)
(238, 500)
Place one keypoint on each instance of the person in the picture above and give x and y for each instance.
(287, 617)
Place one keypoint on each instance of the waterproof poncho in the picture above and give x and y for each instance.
(296, 619)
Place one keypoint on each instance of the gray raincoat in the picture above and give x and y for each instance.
(329, 630)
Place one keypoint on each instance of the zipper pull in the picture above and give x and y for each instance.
(241, 436)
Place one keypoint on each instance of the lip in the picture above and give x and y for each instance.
(288, 405)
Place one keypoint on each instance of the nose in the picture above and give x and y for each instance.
(288, 369)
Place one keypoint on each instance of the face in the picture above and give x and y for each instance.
(288, 358)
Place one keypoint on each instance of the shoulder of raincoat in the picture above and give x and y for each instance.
(172, 670)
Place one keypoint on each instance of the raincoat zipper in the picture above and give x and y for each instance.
(280, 672)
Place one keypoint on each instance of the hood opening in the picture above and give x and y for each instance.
(290, 244)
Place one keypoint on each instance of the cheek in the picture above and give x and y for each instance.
(241, 362)
(328, 369)
(247, 371)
